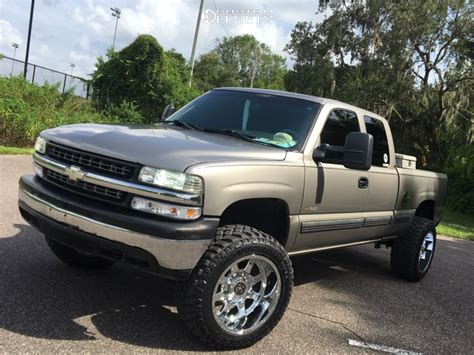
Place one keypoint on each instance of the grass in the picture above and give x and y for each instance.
(457, 225)
(15, 150)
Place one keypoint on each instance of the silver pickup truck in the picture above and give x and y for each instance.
(220, 194)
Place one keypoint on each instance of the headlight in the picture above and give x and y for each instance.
(166, 210)
(171, 179)
(40, 145)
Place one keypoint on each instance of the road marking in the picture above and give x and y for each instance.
(387, 349)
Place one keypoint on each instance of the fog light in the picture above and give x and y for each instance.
(166, 210)
(38, 170)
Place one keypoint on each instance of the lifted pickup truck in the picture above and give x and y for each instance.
(221, 193)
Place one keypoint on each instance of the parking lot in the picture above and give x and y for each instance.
(340, 297)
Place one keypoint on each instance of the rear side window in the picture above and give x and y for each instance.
(338, 125)
(381, 155)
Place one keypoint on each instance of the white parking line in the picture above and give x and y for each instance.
(387, 349)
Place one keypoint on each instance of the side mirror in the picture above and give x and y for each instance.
(320, 152)
(167, 112)
(358, 151)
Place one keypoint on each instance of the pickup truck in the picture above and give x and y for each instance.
(221, 193)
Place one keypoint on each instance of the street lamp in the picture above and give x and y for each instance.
(15, 47)
(115, 13)
(72, 71)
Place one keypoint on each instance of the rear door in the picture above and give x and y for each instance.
(383, 179)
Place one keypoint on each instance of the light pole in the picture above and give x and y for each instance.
(15, 47)
(25, 69)
(115, 13)
(196, 33)
(72, 71)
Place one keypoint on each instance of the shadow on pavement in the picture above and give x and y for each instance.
(43, 298)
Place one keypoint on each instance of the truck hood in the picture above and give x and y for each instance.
(160, 145)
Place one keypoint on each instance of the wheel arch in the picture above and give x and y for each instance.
(426, 209)
(269, 215)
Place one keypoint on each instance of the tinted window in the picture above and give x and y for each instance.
(381, 155)
(338, 125)
(271, 119)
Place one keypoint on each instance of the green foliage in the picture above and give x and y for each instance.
(459, 165)
(27, 109)
(16, 150)
(458, 225)
(126, 112)
(236, 61)
(143, 75)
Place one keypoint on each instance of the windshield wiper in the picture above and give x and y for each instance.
(185, 124)
(230, 132)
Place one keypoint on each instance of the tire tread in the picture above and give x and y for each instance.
(228, 238)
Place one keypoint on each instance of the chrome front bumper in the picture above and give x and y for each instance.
(170, 254)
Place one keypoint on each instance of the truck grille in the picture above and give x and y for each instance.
(86, 188)
(92, 162)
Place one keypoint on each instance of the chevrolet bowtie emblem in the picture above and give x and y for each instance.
(74, 173)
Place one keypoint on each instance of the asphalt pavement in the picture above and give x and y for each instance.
(344, 301)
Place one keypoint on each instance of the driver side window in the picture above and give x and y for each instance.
(338, 125)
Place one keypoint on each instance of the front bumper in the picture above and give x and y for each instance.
(171, 249)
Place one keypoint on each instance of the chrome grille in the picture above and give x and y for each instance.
(91, 162)
(86, 188)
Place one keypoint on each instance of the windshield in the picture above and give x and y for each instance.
(264, 118)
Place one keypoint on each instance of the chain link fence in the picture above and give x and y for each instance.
(38, 74)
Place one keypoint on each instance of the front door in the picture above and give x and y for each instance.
(335, 200)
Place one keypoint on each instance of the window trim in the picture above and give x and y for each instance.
(318, 142)
(390, 162)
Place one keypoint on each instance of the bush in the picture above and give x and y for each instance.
(142, 75)
(27, 109)
(460, 169)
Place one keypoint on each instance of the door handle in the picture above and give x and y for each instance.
(363, 183)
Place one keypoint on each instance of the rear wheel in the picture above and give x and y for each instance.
(412, 254)
(75, 259)
(239, 290)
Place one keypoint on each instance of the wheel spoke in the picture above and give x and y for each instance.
(275, 292)
(227, 307)
(241, 312)
(234, 268)
(262, 277)
(220, 296)
(248, 268)
(264, 307)
(422, 255)
(241, 301)
(252, 295)
(429, 245)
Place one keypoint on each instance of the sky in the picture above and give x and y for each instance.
(78, 31)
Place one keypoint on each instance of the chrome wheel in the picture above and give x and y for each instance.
(246, 294)
(426, 252)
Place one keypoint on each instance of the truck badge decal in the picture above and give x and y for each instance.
(74, 173)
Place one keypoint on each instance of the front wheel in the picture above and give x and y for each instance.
(240, 289)
(412, 254)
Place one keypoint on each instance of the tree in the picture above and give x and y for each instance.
(240, 61)
(141, 76)
(408, 61)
